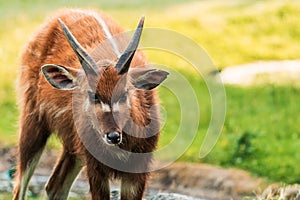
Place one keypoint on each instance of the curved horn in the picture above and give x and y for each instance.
(87, 62)
(125, 59)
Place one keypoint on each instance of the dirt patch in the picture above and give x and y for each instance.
(207, 181)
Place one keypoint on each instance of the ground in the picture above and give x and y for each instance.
(191, 179)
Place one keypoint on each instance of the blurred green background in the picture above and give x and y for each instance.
(261, 132)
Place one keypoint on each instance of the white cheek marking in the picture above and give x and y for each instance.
(128, 102)
(86, 105)
(116, 107)
(105, 107)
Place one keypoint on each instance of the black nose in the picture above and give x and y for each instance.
(113, 138)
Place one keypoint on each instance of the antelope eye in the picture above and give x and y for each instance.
(123, 98)
(94, 98)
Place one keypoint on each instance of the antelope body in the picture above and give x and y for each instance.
(75, 81)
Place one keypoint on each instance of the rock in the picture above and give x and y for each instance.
(5, 183)
(171, 196)
(289, 192)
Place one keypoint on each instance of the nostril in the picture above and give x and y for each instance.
(113, 137)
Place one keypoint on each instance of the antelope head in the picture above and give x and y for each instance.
(106, 87)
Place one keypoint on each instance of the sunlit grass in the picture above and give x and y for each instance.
(270, 115)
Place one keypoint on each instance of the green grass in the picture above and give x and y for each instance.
(269, 114)
(261, 131)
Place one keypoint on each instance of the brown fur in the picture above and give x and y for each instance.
(45, 110)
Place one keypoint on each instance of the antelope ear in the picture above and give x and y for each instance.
(60, 77)
(149, 79)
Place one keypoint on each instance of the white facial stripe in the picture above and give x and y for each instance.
(116, 107)
(105, 107)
